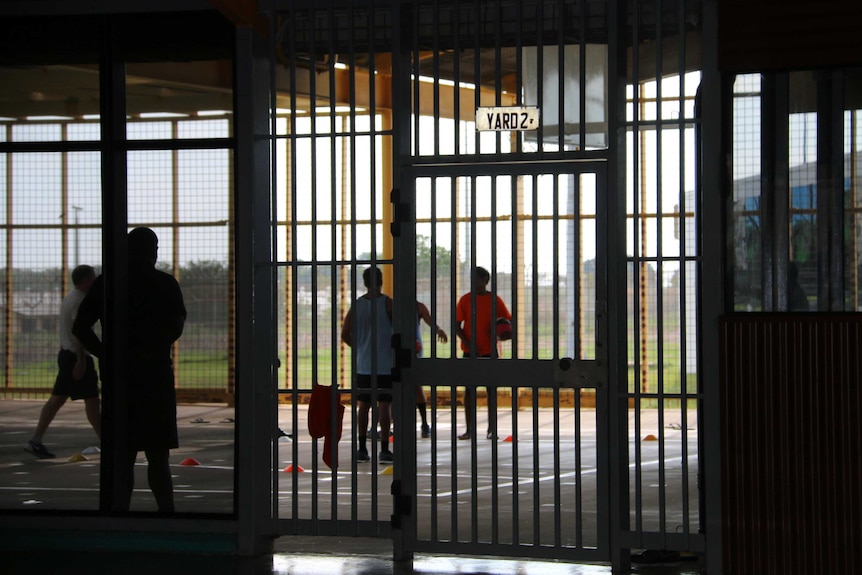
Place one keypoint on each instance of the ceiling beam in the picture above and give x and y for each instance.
(245, 13)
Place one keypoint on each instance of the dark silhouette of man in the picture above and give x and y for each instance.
(155, 318)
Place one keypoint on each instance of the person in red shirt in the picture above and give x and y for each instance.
(481, 341)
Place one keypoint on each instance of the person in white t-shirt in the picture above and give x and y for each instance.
(77, 377)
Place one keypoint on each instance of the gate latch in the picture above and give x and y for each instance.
(578, 373)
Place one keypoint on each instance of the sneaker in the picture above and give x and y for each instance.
(362, 455)
(385, 457)
(38, 450)
(426, 431)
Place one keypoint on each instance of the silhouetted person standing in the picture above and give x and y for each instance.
(155, 319)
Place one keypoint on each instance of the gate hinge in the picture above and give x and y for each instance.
(402, 505)
(403, 357)
(400, 213)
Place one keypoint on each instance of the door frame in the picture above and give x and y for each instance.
(404, 487)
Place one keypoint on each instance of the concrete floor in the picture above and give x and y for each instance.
(206, 434)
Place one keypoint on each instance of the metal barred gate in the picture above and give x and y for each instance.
(531, 479)
(379, 162)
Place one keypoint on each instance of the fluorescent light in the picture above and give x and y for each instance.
(48, 118)
(213, 112)
(338, 109)
(147, 115)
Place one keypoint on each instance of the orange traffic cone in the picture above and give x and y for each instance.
(190, 461)
(650, 437)
(290, 469)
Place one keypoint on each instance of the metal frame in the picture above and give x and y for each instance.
(505, 372)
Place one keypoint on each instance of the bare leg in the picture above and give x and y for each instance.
(123, 496)
(159, 477)
(469, 413)
(421, 403)
(49, 411)
(94, 415)
(362, 421)
(385, 417)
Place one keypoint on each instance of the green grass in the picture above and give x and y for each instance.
(203, 369)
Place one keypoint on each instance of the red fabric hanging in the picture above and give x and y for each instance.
(320, 420)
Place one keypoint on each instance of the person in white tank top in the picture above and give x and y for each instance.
(367, 329)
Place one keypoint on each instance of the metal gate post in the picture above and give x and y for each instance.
(255, 350)
(404, 274)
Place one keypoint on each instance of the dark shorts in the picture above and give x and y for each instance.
(383, 382)
(66, 385)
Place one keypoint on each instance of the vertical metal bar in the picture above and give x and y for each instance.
(556, 323)
(582, 72)
(175, 231)
(478, 23)
(334, 335)
(659, 291)
(455, 183)
(836, 213)
(372, 112)
(433, 396)
(456, 72)
(535, 356)
(8, 314)
(540, 75)
(474, 415)
(710, 183)
(255, 404)
(417, 84)
(637, 271)
(64, 216)
(492, 390)
(517, 337)
(780, 195)
(537, 500)
(557, 534)
(293, 138)
(352, 265)
(614, 400)
(560, 21)
(854, 203)
(578, 263)
(315, 258)
(683, 280)
(405, 310)
(112, 114)
(519, 100)
(535, 269)
(768, 152)
(273, 229)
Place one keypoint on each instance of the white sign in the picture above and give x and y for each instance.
(507, 118)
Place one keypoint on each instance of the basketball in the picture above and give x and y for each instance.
(504, 329)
